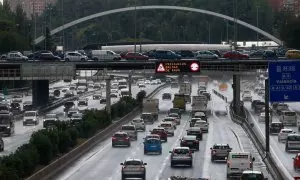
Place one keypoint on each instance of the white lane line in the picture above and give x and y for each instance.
(167, 158)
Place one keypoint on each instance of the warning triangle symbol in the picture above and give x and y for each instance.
(161, 68)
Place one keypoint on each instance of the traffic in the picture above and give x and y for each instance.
(163, 142)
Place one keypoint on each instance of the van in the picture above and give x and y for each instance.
(292, 142)
(288, 118)
(104, 55)
(237, 162)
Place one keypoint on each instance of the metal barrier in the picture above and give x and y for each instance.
(220, 95)
(50, 171)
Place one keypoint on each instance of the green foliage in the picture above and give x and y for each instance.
(140, 96)
(45, 144)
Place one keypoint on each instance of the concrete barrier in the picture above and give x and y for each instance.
(50, 171)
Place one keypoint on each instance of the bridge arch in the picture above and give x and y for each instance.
(70, 24)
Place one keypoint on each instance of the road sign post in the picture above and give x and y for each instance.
(267, 120)
(284, 81)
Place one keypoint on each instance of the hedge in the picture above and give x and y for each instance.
(46, 145)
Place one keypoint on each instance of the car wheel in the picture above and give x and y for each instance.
(191, 164)
(286, 149)
(144, 177)
(145, 151)
(123, 177)
(112, 145)
(129, 145)
(172, 164)
(212, 159)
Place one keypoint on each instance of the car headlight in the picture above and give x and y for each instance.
(8, 127)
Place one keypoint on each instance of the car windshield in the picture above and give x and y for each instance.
(252, 176)
(120, 135)
(153, 141)
(166, 125)
(174, 110)
(5, 108)
(128, 128)
(13, 105)
(50, 116)
(137, 121)
(29, 114)
(146, 116)
(157, 130)
(290, 114)
(221, 147)
(181, 151)
(81, 103)
(293, 138)
(135, 163)
(173, 115)
(77, 115)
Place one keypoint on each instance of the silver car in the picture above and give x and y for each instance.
(75, 56)
(130, 130)
(206, 55)
(133, 168)
(139, 124)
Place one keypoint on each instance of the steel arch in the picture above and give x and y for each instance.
(70, 24)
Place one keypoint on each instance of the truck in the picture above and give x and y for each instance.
(199, 104)
(186, 89)
(151, 106)
(179, 101)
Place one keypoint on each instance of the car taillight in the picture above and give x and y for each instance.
(228, 164)
(184, 142)
(214, 151)
(113, 138)
(196, 142)
(127, 138)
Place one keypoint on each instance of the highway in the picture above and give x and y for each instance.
(22, 133)
(104, 161)
(277, 149)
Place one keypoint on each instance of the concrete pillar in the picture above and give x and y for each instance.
(40, 92)
(130, 82)
(236, 93)
(108, 99)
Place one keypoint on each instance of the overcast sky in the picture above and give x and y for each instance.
(1, 1)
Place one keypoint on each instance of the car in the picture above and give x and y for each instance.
(69, 93)
(219, 152)
(151, 136)
(76, 118)
(206, 55)
(48, 57)
(75, 56)
(120, 139)
(166, 96)
(186, 54)
(258, 107)
(113, 95)
(49, 120)
(175, 110)
(176, 116)
(139, 124)
(163, 54)
(141, 84)
(250, 174)
(97, 86)
(169, 128)
(269, 54)
(72, 111)
(104, 55)
(31, 117)
(237, 162)
(275, 127)
(1, 144)
(196, 131)
(246, 96)
(235, 55)
(133, 168)
(131, 131)
(147, 81)
(15, 108)
(193, 121)
(296, 162)
(161, 132)
(148, 118)
(182, 156)
(17, 98)
(203, 125)
(83, 102)
(97, 95)
(81, 89)
(292, 142)
(16, 56)
(200, 115)
(152, 145)
(254, 102)
(190, 141)
(282, 135)
(281, 107)
(102, 100)
(27, 105)
(68, 105)
(134, 56)
(7, 125)
(208, 95)
(292, 54)
(171, 120)
(262, 117)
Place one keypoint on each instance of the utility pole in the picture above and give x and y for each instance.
(135, 26)
(62, 18)
(257, 35)
(208, 33)
(45, 47)
(34, 16)
(227, 27)
(235, 28)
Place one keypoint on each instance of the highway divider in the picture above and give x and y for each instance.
(51, 170)
(220, 95)
(270, 159)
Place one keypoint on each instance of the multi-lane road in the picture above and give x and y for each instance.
(22, 133)
(104, 161)
(284, 159)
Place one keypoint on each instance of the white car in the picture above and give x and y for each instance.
(81, 89)
(31, 117)
(147, 82)
(139, 124)
(176, 116)
(97, 86)
(202, 124)
(158, 81)
(247, 96)
(169, 128)
(114, 91)
(171, 120)
(262, 117)
(283, 134)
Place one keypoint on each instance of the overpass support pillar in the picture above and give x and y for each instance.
(236, 93)
(108, 99)
(129, 83)
(40, 92)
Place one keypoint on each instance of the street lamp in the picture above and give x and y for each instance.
(235, 19)
(135, 26)
(257, 35)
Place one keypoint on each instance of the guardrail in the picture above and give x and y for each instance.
(50, 171)
(271, 162)
(220, 95)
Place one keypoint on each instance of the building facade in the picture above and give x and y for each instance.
(30, 7)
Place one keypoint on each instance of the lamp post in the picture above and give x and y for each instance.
(62, 18)
(257, 35)
(235, 28)
(135, 26)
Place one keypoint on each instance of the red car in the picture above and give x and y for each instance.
(134, 56)
(161, 132)
(235, 55)
(297, 161)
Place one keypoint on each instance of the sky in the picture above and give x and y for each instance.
(1, 1)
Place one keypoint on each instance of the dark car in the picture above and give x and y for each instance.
(15, 108)
(161, 132)
(190, 141)
(167, 96)
(175, 110)
(186, 53)
(269, 55)
(275, 127)
(163, 54)
(103, 101)
(254, 102)
(257, 54)
(195, 131)
(48, 57)
(258, 107)
(120, 139)
(27, 106)
(217, 52)
(134, 56)
(68, 105)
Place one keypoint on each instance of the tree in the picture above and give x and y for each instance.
(48, 40)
